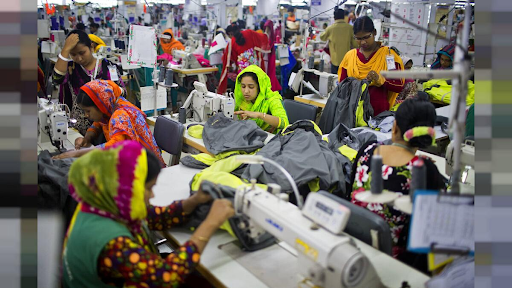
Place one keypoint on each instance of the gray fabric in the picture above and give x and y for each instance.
(341, 136)
(384, 121)
(191, 162)
(226, 192)
(303, 153)
(342, 105)
(381, 136)
(222, 134)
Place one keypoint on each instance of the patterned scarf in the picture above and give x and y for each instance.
(262, 101)
(447, 50)
(124, 117)
(110, 183)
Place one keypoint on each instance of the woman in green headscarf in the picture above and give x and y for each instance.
(107, 243)
(255, 100)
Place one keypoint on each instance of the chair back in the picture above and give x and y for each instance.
(299, 111)
(169, 137)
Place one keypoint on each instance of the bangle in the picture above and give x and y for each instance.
(201, 238)
(264, 114)
(64, 58)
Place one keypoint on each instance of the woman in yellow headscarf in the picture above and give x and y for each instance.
(96, 42)
(367, 61)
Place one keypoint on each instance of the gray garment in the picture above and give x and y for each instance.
(342, 105)
(222, 134)
(304, 155)
(381, 136)
(341, 136)
(385, 125)
(191, 162)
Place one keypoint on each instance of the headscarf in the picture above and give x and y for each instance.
(447, 50)
(405, 59)
(359, 70)
(262, 101)
(110, 183)
(174, 44)
(124, 117)
(98, 41)
(272, 57)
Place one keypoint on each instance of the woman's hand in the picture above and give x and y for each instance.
(221, 210)
(372, 76)
(82, 142)
(248, 114)
(163, 62)
(69, 154)
(202, 197)
(70, 43)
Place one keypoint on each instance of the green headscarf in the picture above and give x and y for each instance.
(262, 102)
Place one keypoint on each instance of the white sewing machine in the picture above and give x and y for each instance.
(327, 258)
(188, 60)
(205, 104)
(53, 122)
(326, 85)
(467, 160)
(107, 53)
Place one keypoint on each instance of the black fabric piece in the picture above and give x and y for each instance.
(342, 105)
(226, 192)
(339, 137)
(53, 192)
(222, 134)
(302, 152)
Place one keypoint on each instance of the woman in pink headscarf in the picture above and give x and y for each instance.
(271, 63)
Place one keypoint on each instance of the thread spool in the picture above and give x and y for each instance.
(182, 115)
(168, 77)
(161, 76)
(311, 63)
(321, 68)
(376, 182)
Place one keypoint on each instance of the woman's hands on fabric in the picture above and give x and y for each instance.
(69, 154)
(202, 197)
(164, 62)
(221, 210)
(372, 76)
(82, 142)
(248, 114)
(70, 43)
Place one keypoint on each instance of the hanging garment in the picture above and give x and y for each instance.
(441, 90)
(349, 104)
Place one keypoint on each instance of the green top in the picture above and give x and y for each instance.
(470, 122)
(85, 242)
(267, 101)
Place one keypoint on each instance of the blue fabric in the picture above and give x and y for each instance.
(334, 69)
(286, 70)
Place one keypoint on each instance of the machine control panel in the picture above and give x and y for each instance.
(326, 212)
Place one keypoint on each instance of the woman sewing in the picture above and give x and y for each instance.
(367, 61)
(256, 101)
(114, 117)
(413, 129)
(108, 243)
(82, 67)
(168, 43)
(444, 59)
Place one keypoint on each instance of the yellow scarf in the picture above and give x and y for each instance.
(359, 70)
(98, 41)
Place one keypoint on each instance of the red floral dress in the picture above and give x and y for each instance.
(397, 179)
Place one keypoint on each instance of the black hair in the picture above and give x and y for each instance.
(363, 24)
(416, 112)
(83, 99)
(169, 34)
(291, 9)
(253, 76)
(235, 29)
(80, 26)
(262, 24)
(95, 25)
(339, 14)
(154, 166)
(83, 38)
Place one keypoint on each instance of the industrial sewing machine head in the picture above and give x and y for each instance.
(53, 122)
(327, 257)
(467, 160)
(204, 104)
(188, 60)
(107, 53)
(327, 82)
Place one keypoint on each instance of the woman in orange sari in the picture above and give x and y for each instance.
(168, 44)
(367, 61)
(114, 116)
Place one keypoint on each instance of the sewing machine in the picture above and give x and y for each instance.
(107, 53)
(205, 104)
(188, 60)
(53, 122)
(327, 258)
(467, 160)
(327, 82)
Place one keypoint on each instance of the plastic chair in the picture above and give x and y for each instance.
(366, 226)
(169, 137)
(299, 111)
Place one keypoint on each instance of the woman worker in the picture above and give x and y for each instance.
(114, 117)
(444, 58)
(83, 67)
(168, 43)
(413, 129)
(107, 243)
(255, 100)
(367, 61)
